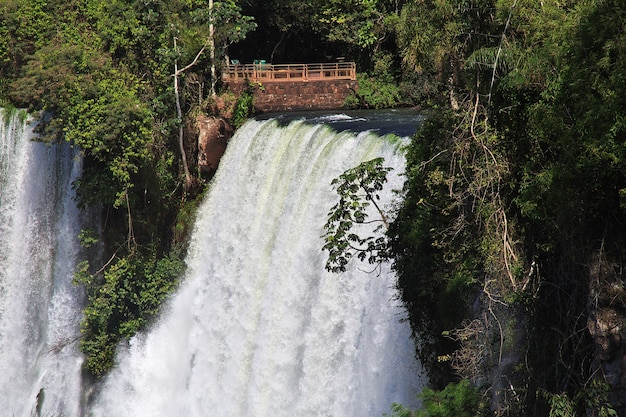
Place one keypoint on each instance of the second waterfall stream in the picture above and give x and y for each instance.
(258, 327)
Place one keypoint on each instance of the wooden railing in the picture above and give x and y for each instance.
(290, 72)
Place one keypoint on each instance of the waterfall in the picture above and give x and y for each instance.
(39, 307)
(258, 328)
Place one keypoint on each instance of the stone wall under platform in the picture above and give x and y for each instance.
(299, 95)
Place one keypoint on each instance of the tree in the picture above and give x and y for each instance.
(363, 23)
(209, 26)
(232, 27)
(436, 38)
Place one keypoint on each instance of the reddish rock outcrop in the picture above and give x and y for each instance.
(213, 136)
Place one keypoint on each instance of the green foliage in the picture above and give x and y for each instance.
(88, 238)
(434, 239)
(185, 219)
(399, 410)
(357, 188)
(593, 398)
(374, 93)
(94, 106)
(244, 107)
(562, 106)
(377, 89)
(455, 400)
(560, 405)
(27, 23)
(113, 128)
(435, 38)
(232, 25)
(359, 22)
(546, 86)
(129, 296)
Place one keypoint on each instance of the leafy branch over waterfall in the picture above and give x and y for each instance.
(358, 189)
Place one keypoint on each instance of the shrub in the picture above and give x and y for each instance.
(374, 93)
(244, 108)
(455, 400)
(129, 296)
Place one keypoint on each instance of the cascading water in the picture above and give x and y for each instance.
(258, 328)
(39, 307)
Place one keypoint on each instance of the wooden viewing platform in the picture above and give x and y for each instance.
(262, 72)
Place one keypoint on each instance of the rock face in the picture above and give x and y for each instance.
(213, 136)
(607, 327)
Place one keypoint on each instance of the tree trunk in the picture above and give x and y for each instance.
(212, 49)
(181, 138)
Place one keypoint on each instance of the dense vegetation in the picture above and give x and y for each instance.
(515, 196)
(510, 242)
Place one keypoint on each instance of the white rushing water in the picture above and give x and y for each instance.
(39, 307)
(258, 328)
